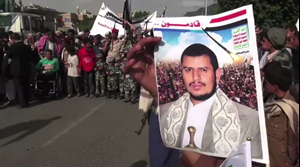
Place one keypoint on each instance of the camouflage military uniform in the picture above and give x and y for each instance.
(124, 50)
(120, 77)
(100, 77)
(112, 78)
(129, 83)
(130, 86)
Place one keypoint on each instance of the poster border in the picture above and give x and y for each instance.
(245, 12)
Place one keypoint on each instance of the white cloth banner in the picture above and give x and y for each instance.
(107, 20)
(240, 157)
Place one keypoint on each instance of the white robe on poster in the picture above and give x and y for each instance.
(219, 136)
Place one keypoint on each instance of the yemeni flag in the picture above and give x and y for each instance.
(240, 157)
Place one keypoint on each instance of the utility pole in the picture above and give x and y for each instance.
(206, 7)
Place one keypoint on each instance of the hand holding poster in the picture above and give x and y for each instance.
(210, 100)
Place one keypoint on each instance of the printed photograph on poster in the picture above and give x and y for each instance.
(210, 100)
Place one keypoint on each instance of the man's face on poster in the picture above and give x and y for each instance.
(199, 76)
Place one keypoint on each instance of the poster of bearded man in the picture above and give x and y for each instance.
(209, 86)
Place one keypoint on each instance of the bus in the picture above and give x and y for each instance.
(22, 23)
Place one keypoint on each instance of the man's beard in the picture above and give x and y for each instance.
(205, 96)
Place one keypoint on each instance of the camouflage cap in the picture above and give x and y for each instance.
(110, 60)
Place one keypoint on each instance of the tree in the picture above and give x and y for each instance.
(86, 23)
(217, 9)
(267, 12)
(140, 14)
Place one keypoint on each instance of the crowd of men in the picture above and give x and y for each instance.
(75, 61)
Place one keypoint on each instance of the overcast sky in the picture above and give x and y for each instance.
(175, 7)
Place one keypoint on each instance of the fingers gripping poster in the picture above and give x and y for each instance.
(208, 76)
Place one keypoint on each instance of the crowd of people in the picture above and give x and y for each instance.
(74, 61)
(95, 63)
(170, 85)
(238, 83)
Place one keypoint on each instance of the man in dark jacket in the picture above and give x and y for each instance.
(20, 56)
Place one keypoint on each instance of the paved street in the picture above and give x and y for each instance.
(78, 132)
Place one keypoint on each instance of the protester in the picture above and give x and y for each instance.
(50, 41)
(87, 61)
(274, 41)
(49, 64)
(73, 71)
(20, 68)
(113, 46)
(293, 38)
(281, 111)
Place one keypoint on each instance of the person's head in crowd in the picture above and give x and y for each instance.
(86, 32)
(38, 35)
(87, 42)
(71, 49)
(258, 30)
(274, 39)
(114, 34)
(291, 30)
(139, 37)
(9, 34)
(58, 34)
(4, 37)
(200, 71)
(69, 41)
(46, 30)
(30, 37)
(81, 34)
(49, 54)
(278, 79)
(108, 35)
(51, 36)
(71, 33)
(15, 37)
(294, 41)
(97, 39)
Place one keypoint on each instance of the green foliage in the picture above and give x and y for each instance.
(86, 23)
(217, 9)
(267, 12)
(140, 14)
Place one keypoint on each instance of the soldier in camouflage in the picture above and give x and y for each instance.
(121, 76)
(124, 50)
(112, 72)
(100, 77)
(130, 86)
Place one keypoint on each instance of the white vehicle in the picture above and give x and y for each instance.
(22, 23)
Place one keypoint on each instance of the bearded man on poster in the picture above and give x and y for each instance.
(140, 65)
(206, 108)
